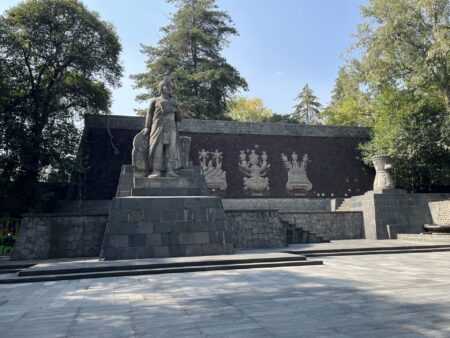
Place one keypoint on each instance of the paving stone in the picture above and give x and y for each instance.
(387, 295)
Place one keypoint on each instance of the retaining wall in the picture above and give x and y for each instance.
(45, 236)
(255, 228)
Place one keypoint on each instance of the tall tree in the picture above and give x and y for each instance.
(406, 43)
(190, 51)
(56, 60)
(308, 109)
(349, 104)
(398, 83)
(249, 110)
(412, 137)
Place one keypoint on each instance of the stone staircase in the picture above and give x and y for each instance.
(299, 235)
(346, 205)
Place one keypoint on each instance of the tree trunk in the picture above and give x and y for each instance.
(447, 98)
(30, 157)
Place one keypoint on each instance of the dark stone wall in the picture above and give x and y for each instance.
(253, 229)
(335, 168)
(45, 236)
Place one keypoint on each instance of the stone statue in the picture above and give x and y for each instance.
(157, 147)
(298, 181)
(215, 177)
(383, 178)
(254, 170)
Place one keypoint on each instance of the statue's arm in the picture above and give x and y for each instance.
(178, 115)
(149, 117)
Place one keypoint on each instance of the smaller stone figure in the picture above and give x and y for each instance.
(298, 181)
(254, 170)
(215, 177)
(383, 179)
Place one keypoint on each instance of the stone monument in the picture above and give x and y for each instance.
(162, 206)
(156, 147)
(383, 178)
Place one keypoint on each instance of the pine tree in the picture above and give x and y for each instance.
(308, 109)
(190, 51)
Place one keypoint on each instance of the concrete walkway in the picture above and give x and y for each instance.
(404, 295)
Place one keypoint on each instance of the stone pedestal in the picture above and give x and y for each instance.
(165, 217)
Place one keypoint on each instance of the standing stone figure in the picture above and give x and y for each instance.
(156, 147)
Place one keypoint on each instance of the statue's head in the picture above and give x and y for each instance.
(165, 87)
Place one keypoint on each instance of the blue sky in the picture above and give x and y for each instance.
(283, 44)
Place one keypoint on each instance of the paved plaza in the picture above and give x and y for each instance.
(400, 295)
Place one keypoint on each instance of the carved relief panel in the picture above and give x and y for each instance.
(298, 182)
(211, 163)
(254, 167)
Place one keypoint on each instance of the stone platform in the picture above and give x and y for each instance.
(165, 217)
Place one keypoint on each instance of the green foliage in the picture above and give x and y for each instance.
(349, 104)
(406, 44)
(7, 239)
(190, 51)
(283, 118)
(56, 60)
(399, 84)
(248, 110)
(412, 138)
(308, 109)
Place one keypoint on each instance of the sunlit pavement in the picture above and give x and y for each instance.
(404, 295)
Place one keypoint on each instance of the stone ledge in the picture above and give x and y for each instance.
(67, 214)
(320, 212)
(251, 210)
(229, 127)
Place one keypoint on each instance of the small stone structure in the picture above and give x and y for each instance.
(392, 207)
(440, 212)
(383, 178)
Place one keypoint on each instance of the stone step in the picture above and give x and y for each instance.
(301, 235)
(426, 237)
(154, 271)
(371, 250)
(166, 192)
(346, 205)
(142, 265)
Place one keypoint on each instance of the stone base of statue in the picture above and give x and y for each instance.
(164, 217)
(389, 191)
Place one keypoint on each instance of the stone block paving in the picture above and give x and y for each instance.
(402, 295)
